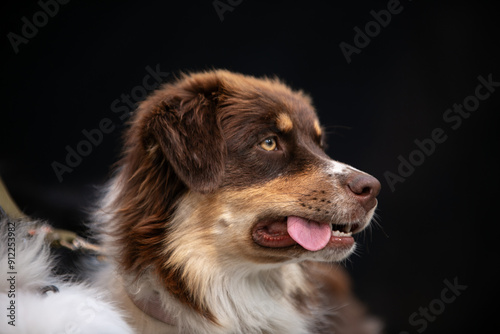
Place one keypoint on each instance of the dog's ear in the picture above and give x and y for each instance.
(183, 122)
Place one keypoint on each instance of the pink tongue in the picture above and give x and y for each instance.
(311, 235)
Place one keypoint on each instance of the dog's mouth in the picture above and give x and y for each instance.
(310, 234)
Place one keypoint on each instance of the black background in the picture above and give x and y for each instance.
(439, 224)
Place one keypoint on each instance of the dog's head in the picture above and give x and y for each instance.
(230, 169)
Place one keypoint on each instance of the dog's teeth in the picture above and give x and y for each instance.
(336, 233)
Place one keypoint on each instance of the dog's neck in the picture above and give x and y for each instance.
(152, 307)
(243, 305)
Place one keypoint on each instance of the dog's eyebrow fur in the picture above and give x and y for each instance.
(317, 128)
(284, 123)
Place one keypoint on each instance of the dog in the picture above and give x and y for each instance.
(225, 215)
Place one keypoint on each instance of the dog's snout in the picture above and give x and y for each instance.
(365, 188)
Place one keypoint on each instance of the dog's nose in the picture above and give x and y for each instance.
(365, 188)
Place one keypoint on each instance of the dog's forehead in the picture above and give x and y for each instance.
(259, 105)
(290, 110)
(299, 117)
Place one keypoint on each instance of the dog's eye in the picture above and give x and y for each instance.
(269, 144)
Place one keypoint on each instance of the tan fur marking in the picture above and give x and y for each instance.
(317, 128)
(284, 123)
